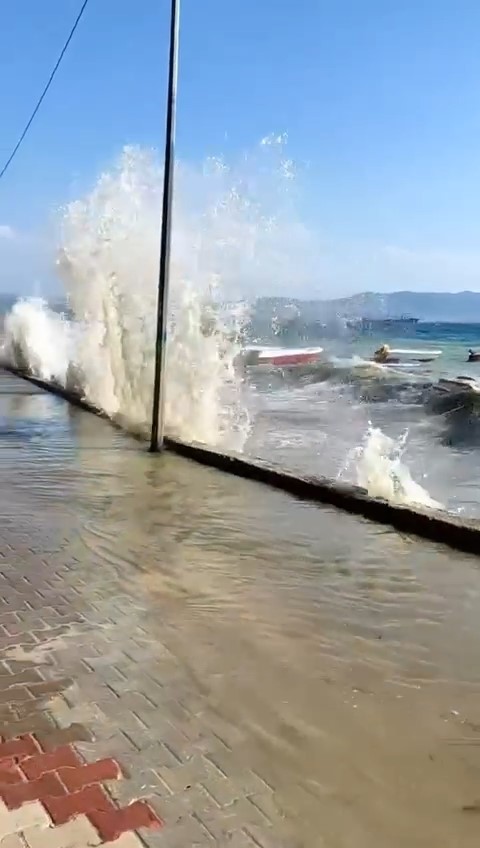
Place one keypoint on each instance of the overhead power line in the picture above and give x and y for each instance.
(45, 90)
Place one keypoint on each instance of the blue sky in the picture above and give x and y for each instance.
(380, 100)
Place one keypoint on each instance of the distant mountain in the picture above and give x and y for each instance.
(461, 307)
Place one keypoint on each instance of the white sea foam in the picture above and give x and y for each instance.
(382, 473)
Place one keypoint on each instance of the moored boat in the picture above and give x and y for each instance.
(280, 357)
(385, 355)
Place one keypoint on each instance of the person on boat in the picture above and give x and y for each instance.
(473, 356)
(382, 354)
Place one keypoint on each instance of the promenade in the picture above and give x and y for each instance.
(187, 659)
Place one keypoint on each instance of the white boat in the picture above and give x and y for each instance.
(385, 355)
(280, 357)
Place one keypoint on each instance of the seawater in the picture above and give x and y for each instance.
(385, 429)
(454, 340)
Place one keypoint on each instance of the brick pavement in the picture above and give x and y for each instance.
(105, 739)
(104, 736)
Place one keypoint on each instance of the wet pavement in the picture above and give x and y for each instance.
(268, 672)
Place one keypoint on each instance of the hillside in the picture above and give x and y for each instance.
(460, 307)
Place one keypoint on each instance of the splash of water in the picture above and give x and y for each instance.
(229, 239)
(382, 473)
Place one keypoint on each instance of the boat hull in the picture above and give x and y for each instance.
(277, 357)
(404, 356)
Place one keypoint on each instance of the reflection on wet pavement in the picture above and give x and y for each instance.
(346, 654)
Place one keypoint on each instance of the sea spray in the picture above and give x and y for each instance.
(38, 340)
(380, 470)
(234, 235)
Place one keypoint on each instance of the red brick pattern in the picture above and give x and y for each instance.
(10, 771)
(47, 786)
(67, 787)
(77, 778)
(22, 746)
(112, 823)
(79, 803)
(63, 757)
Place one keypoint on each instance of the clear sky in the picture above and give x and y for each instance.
(380, 100)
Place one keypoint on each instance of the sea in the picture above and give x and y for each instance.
(388, 430)
(237, 235)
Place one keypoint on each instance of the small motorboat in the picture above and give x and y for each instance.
(280, 357)
(473, 356)
(385, 355)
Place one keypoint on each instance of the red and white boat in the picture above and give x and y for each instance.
(280, 357)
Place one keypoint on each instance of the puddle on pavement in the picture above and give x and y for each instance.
(348, 653)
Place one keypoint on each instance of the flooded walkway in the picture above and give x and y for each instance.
(269, 673)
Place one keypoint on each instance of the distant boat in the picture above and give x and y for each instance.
(377, 325)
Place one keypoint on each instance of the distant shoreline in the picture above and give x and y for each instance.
(426, 307)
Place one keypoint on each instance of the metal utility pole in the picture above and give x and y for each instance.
(156, 439)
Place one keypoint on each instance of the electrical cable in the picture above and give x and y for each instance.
(45, 90)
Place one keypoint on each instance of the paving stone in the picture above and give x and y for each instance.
(113, 822)
(54, 738)
(109, 741)
(183, 777)
(263, 838)
(174, 808)
(28, 677)
(48, 786)
(86, 775)
(66, 807)
(155, 757)
(265, 802)
(143, 785)
(62, 757)
(187, 833)
(126, 840)
(220, 824)
(222, 791)
(77, 833)
(12, 841)
(25, 817)
(10, 773)
(26, 745)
